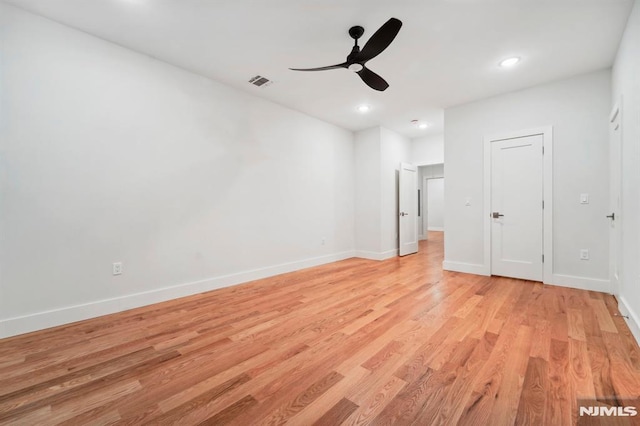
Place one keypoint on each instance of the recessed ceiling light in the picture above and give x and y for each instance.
(363, 108)
(509, 62)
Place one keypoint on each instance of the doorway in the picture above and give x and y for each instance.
(518, 205)
(431, 199)
(434, 209)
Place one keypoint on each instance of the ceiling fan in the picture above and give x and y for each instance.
(357, 59)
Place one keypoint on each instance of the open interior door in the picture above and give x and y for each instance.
(408, 209)
(615, 200)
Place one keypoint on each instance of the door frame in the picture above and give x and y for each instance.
(547, 176)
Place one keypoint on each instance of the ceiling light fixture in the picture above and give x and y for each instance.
(363, 108)
(419, 125)
(509, 62)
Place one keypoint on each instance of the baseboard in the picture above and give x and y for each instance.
(52, 318)
(373, 255)
(633, 321)
(582, 283)
(61, 316)
(467, 268)
(435, 228)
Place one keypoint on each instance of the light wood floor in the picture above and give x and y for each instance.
(354, 342)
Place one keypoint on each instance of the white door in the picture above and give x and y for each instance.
(435, 204)
(615, 199)
(516, 206)
(408, 209)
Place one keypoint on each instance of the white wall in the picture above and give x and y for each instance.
(108, 155)
(427, 150)
(379, 152)
(578, 110)
(368, 193)
(626, 86)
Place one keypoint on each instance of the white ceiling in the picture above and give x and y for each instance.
(446, 53)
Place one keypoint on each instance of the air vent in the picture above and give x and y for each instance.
(260, 81)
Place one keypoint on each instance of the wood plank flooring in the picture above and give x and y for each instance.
(354, 342)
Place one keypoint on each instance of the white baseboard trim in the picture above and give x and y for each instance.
(435, 228)
(633, 321)
(55, 317)
(373, 255)
(467, 268)
(582, 283)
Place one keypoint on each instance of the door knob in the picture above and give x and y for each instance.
(404, 214)
(496, 215)
(612, 216)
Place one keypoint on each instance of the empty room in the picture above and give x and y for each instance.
(319, 212)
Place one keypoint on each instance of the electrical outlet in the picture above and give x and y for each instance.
(117, 268)
(584, 254)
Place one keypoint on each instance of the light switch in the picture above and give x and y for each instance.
(584, 198)
(467, 202)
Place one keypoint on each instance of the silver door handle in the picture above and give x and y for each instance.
(496, 215)
(404, 214)
(612, 216)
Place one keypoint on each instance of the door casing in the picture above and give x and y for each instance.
(547, 136)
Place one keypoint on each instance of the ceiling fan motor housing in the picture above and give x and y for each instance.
(356, 32)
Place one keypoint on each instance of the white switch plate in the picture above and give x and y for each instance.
(117, 268)
(584, 198)
(467, 202)
(584, 254)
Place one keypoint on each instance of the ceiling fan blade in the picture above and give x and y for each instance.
(380, 40)
(372, 79)
(330, 67)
